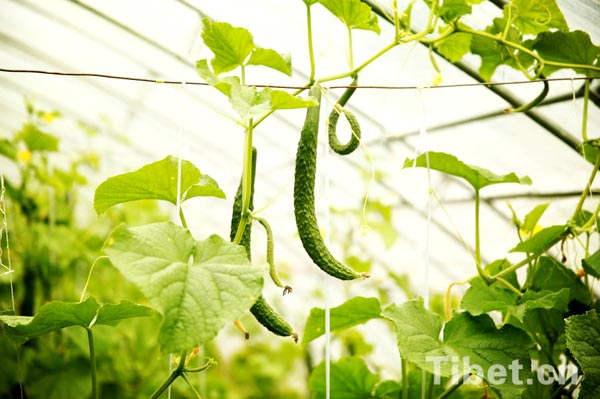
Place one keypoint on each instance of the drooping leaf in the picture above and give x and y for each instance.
(249, 102)
(271, 59)
(283, 100)
(230, 45)
(583, 340)
(157, 181)
(356, 311)
(475, 338)
(36, 140)
(543, 240)
(591, 264)
(57, 315)
(350, 379)
(198, 286)
(223, 84)
(353, 13)
(455, 46)
(477, 177)
(535, 16)
(567, 47)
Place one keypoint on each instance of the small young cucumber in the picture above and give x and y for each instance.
(304, 198)
(267, 316)
(334, 142)
(263, 313)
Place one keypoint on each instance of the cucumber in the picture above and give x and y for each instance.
(261, 310)
(304, 198)
(334, 142)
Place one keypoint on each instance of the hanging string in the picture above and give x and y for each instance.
(327, 186)
(4, 234)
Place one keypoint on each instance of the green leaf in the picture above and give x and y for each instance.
(567, 47)
(350, 379)
(535, 16)
(472, 338)
(157, 181)
(356, 311)
(353, 13)
(583, 340)
(198, 286)
(8, 149)
(481, 298)
(591, 264)
(551, 275)
(230, 45)
(36, 140)
(283, 100)
(310, 2)
(249, 102)
(477, 177)
(543, 240)
(455, 46)
(388, 389)
(533, 217)
(57, 315)
(494, 54)
(271, 59)
(223, 84)
(454, 9)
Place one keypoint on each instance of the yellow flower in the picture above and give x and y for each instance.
(24, 156)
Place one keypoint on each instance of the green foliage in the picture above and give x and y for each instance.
(353, 13)
(58, 315)
(157, 180)
(177, 273)
(477, 177)
(567, 47)
(583, 340)
(543, 240)
(355, 311)
(535, 16)
(350, 379)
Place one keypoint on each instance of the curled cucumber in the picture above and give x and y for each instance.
(334, 142)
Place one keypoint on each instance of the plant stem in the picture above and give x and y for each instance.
(585, 192)
(182, 218)
(246, 183)
(311, 52)
(191, 386)
(172, 377)
(361, 66)
(350, 50)
(480, 270)
(90, 336)
(404, 378)
(453, 387)
(584, 118)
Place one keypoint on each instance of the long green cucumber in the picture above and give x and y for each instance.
(261, 310)
(354, 141)
(304, 198)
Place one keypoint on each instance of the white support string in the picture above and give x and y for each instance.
(4, 233)
(327, 186)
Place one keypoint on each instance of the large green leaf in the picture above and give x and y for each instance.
(8, 149)
(455, 46)
(198, 286)
(543, 240)
(535, 16)
(353, 13)
(158, 181)
(567, 47)
(494, 54)
(230, 45)
(466, 337)
(583, 340)
(356, 311)
(532, 218)
(550, 275)
(477, 177)
(350, 379)
(57, 315)
(272, 59)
